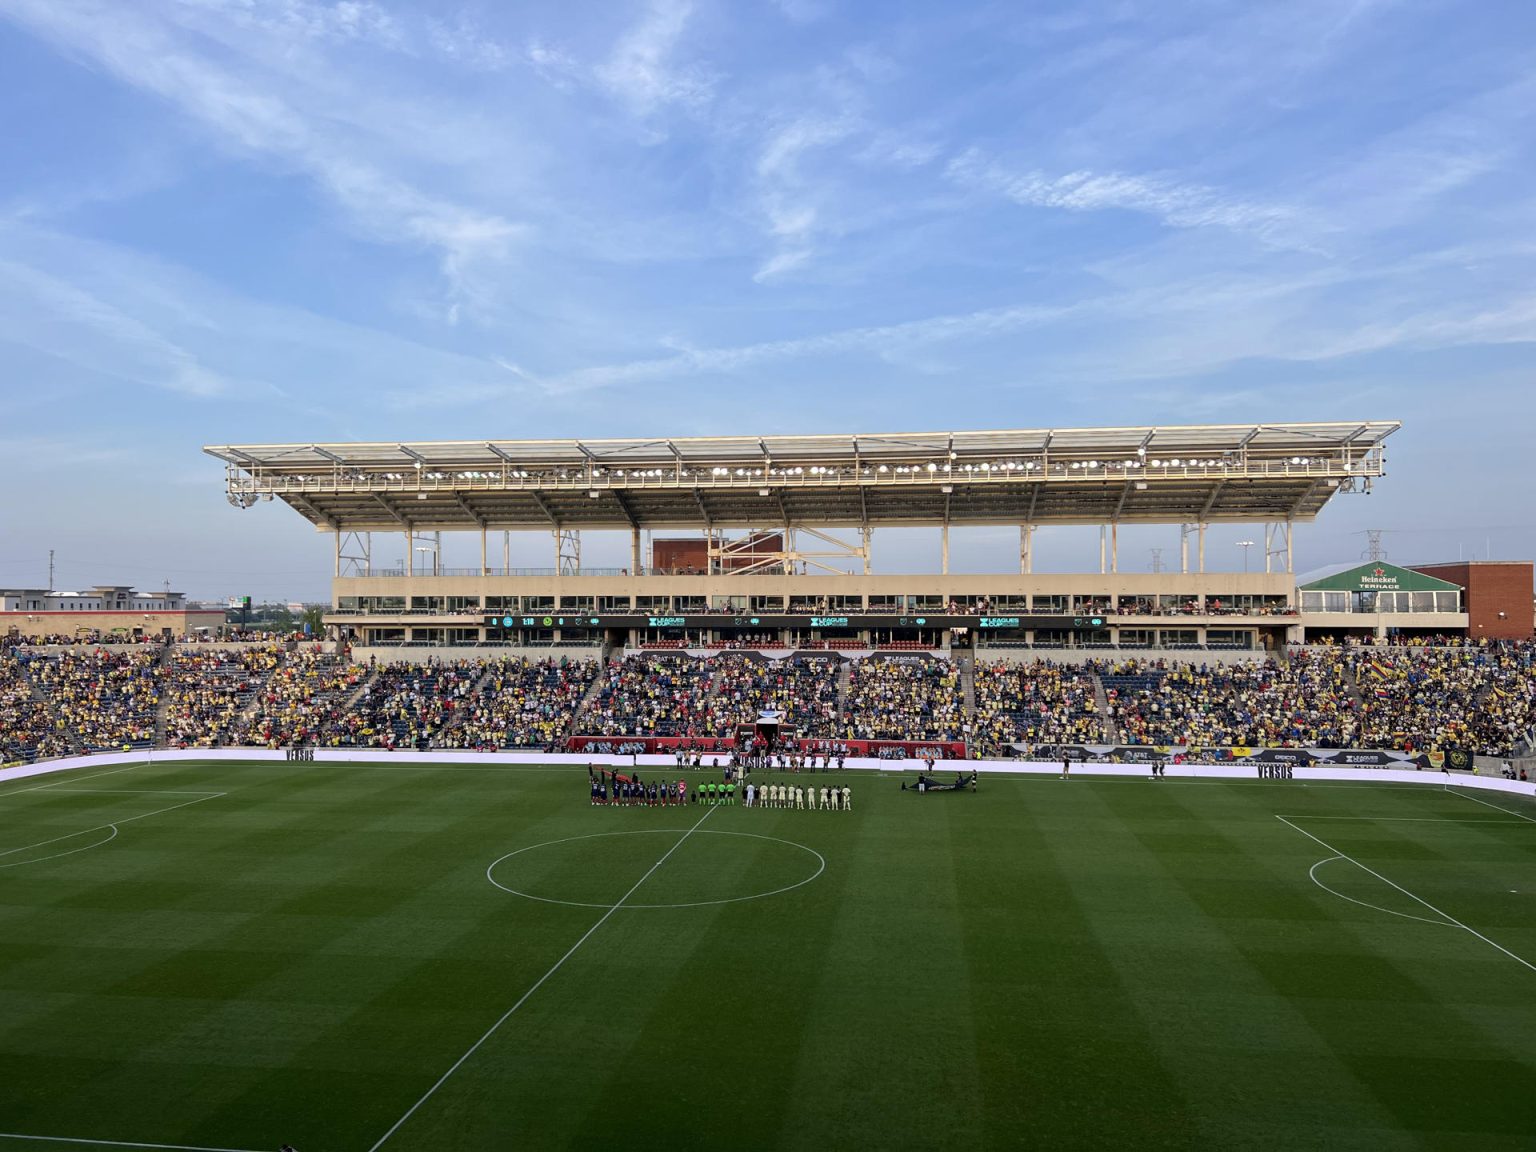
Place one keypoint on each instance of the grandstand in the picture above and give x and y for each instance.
(1103, 664)
(798, 573)
(1379, 660)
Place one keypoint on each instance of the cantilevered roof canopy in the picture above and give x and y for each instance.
(1181, 474)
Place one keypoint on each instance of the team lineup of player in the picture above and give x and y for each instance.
(632, 792)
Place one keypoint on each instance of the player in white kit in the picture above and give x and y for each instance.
(847, 797)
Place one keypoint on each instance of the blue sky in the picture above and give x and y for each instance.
(228, 221)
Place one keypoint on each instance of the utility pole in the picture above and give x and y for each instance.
(1157, 560)
(50, 569)
(1374, 552)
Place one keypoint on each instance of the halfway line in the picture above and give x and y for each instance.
(507, 1015)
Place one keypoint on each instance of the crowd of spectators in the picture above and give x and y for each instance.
(650, 695)
(522, 704)
(301, 701)
(404, 704)
(207, 692)
(1481, 698)
(1039, 703)
(105, 698)
(1476, 697)
(1304, 702)
(28, 730)
(904, 700)
(803, 691)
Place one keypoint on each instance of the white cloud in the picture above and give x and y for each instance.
(61, 319)
(346, 20)
(1174, 203)
(465, 42)
(254, 117)
(640, 71)
(788, 199)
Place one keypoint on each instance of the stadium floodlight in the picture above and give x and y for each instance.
(763, 492)
(1245, 545)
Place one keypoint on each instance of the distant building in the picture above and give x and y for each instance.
(1497, 595)
(104, 608)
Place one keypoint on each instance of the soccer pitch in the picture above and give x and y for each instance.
(360, 957)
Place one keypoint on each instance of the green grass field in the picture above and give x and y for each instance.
(235, 955)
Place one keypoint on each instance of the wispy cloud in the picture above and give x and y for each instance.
(58, 318)
(257, 120)
(788, 200)
(1174, 203)
(642, 70)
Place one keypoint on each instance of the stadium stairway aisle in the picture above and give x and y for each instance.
(76, 745)
(163, 703)
(476, 691)
(1101, 702)
(580, 711)
(844, 678)
(1353, 684)
(363, 684)
(966, 664)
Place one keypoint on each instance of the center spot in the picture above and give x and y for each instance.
(710, 867)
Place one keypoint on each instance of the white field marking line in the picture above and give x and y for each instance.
(1212, 781)
(117, 1143)
(821, 867)
(58, 855)
(1495, 807)
(1410, 819)
(73, 779)
(1410, 895)
(1312, 872)
(537, 984)
(114, 824)
(141, 792)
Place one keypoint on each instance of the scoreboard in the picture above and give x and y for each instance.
(719, 620)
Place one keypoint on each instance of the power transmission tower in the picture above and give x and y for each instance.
(1374, 552)
(1157, 559)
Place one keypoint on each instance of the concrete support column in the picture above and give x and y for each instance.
(1290, 549)
(410, 552)
(866, 535)
(944, 560)
(1026, 549)
(1114, 546)
(336, 537)
(506, 553)
(1202, 546)
(483, 570)
(1103, 545)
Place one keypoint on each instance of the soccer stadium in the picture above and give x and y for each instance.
(792, 576)
(542, 856)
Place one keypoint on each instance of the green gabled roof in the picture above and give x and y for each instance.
(1380, 577)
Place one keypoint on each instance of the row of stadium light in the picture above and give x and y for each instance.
(1003, 466)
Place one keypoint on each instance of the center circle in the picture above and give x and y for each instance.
(560, 861)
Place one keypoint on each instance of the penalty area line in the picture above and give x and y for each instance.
(1495, 807)
(113, 824)
(537, 984)
(117, 1143)
(1417, 899)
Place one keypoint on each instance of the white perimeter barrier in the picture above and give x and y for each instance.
(654, 761)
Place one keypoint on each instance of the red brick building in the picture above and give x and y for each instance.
(1497, 595)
